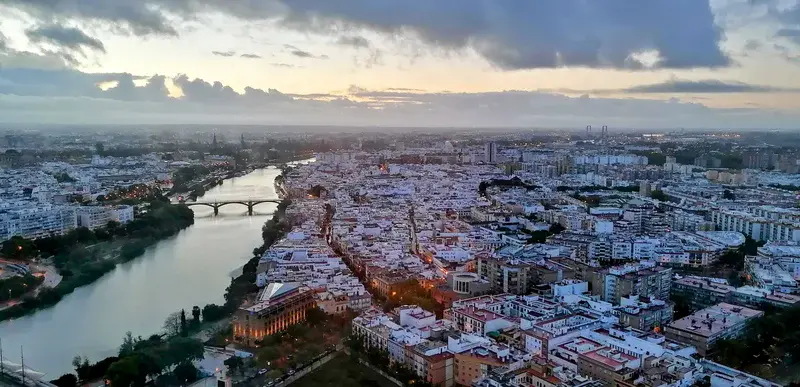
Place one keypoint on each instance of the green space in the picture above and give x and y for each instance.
(359, 352)
(82, 256)
(409, 292)
(504, 184)
(164, 361)
(343, 371)
(301, 343)
(14, 287)
(769, 347)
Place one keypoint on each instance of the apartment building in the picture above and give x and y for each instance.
(703, 328)
(701, 292)
(762, 224)
(644, 313)
(642, 279)
(36, 222)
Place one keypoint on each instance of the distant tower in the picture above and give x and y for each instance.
(214, 142)
(588, 130)
(604, 131)
(244, 144)
(490, 152)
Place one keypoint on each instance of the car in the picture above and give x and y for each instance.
(270, 383)
(263, 371)
(291, 372)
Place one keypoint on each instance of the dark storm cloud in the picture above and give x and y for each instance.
(68, 38)
(511, 34)
(706, 86)
(515, 34)
(62, 82)
(140, 17)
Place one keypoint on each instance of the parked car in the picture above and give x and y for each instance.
(263, 371)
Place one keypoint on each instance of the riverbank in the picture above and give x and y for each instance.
(83, 256)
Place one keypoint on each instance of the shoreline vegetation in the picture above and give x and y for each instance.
(135, 367)
(83, 256)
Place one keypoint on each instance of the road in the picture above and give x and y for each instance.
(51, 279)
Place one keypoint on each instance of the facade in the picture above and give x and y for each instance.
(632, 279)
(516, 276)
(490, 152)
(37, 222)
(701, 292)
(644, 313)
(279, 306)
(762, 224)
(703, 328)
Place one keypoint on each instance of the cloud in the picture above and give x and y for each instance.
(306, 54)
(792, 34)
(706, 86)
(65, 37)
(300, 53)
(354, 41)
(145, 17)
(284, 65)
(535, 34)
(508, 34)
(403, 89)
(70, 96)
(229, 54)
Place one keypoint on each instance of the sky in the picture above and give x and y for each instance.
(726, 64)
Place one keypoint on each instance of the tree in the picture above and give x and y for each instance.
(18, 247)
(66, 380)
(727, 194)
(196, 314)
(182, 349)
(556, 228)
(185, 372)
(658, 195)
(213, 312)
(172, 324)
(184, 331)
(128, 345)
(81, 366)
(233, 363)
(125, 372)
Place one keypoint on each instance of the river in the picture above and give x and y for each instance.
(191, 268)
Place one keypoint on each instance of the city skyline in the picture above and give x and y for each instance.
(692, 64)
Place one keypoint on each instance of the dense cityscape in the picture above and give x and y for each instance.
(486, 258)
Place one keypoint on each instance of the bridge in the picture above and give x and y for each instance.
(249, 203)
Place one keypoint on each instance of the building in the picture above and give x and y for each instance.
(700, 292)
(639, 279)
(36, 222)
(644, 313)
(703, 328)
(474, 364)
(765, 223)
(611, 366)
(279, 306)
(519, 276)
(490, 152)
